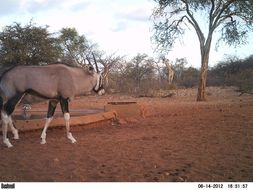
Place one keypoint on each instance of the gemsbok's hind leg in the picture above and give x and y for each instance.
(13, 129)
(50, 113)
(65, 111)
(8, 109)
(5, 121)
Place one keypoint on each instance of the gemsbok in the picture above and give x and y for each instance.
(55, 82)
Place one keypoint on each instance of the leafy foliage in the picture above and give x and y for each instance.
(33, 45)
(28, 45)
(173, 17)
(74, 46)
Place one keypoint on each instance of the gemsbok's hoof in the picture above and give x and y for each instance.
(7, 143)
(16, 136)
(43, 141)
(71, 138)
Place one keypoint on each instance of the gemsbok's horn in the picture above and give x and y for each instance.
(95, 62)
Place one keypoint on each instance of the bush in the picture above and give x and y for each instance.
(233, 72)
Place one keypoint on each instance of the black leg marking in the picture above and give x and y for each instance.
(64, 105)
(9, 106)
(51, 108)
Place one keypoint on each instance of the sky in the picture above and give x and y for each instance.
(122, 27)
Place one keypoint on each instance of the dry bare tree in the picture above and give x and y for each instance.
(233, 18)
(108, 61)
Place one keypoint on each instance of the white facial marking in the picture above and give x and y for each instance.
(101, 92)
(98, 77)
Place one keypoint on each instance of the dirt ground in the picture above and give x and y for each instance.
(179, 139)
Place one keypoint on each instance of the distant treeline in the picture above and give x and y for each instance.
(233, 72)
(35, 45)
(142, 75)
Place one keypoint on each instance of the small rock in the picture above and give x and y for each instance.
(122, 121)
(167, 173)
(156, 179)
(56, 160)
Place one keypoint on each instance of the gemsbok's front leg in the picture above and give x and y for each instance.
(50, 113)
(65, 111)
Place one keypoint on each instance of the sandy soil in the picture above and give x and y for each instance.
(178, 140)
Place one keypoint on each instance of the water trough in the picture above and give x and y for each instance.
(124, 109)
(35, 119)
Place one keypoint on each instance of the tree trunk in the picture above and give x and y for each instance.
(202, 81)
(201, 96)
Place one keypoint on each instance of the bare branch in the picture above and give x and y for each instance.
(211, 17)
(219, 14)
(194, 22)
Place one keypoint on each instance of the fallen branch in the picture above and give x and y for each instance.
(244, 92)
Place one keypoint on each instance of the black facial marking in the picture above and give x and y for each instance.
(100, 88)
(100, 85)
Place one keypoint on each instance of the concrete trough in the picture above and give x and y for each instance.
(124, 109)
(36, 119)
